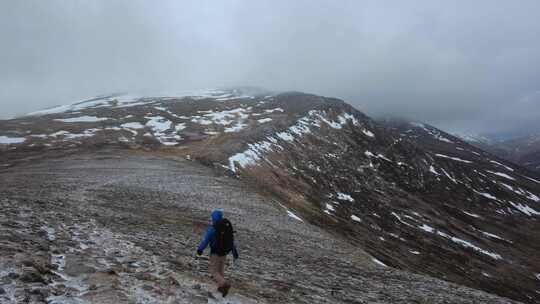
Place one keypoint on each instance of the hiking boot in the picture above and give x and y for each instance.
(224, 289)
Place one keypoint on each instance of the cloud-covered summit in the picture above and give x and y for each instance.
(464, 66)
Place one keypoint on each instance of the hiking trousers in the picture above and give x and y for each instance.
(216, 267)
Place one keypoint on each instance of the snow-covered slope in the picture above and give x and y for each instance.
(414, 197)
(136, 120)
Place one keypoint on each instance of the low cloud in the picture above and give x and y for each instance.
(467, 66)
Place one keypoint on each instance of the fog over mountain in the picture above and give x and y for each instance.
(463, 66)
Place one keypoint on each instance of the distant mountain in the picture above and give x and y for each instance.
(414, 197)
(524, 150)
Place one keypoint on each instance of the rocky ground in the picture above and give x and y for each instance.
(121, 227)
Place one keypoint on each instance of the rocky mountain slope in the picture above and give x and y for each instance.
(524, 151)
(117, 226)
(413, 197)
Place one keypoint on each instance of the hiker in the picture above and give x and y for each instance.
(220, 237)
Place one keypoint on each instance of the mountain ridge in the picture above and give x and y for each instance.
(412, 196)
(523, 150)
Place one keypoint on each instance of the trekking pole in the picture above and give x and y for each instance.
(197, 263)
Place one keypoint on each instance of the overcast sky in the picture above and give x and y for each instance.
(467, 66)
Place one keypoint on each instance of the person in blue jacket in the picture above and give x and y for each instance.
(216, 265)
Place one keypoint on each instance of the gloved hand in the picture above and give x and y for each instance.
(199, 252)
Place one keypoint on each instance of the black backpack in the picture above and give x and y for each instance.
(224, 237)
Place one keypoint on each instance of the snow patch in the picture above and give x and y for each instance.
(344, 197)
(486, 195)
(274, 110)
(504, 166)
(400, 220)
(436, 134)
(285, 136)
(501, 175)
(236, 128)
(158, 124)
(379, 262)
(432, 170)
(82, 119)
(532, 179)
(522, 192)
(43, 136)
(68, 136)
(381, 156)
(227, 117)
(11, 140)
(470, 245)
(427, 228)
(342, 119)
(459, 241)
(449, 176)
(294, 216)
(454, 158)
(471, 214)
(244, 159)
(329, 207)
(132, 125)
(201, 120)
(345, 117)
(533, 197)
(525, 209)
(264, 120)
(368, 133)
(180, 127)
(356, 218)
(491, 235)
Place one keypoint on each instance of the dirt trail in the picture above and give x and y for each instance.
(114, 227)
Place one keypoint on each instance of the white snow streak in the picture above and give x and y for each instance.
(264, 120)
(454, 158)
(502, 165)
(132, 125)
(356, 218)
(486, 195)
(344, 197)
(11, 140)
(525, 209)
(532, 179)
(294, 216)
(368, 133)
(471, 214)
(379, 262)
(459, 241)
(501, 175)
(82, 119)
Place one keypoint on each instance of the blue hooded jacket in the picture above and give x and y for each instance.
(209, 237)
